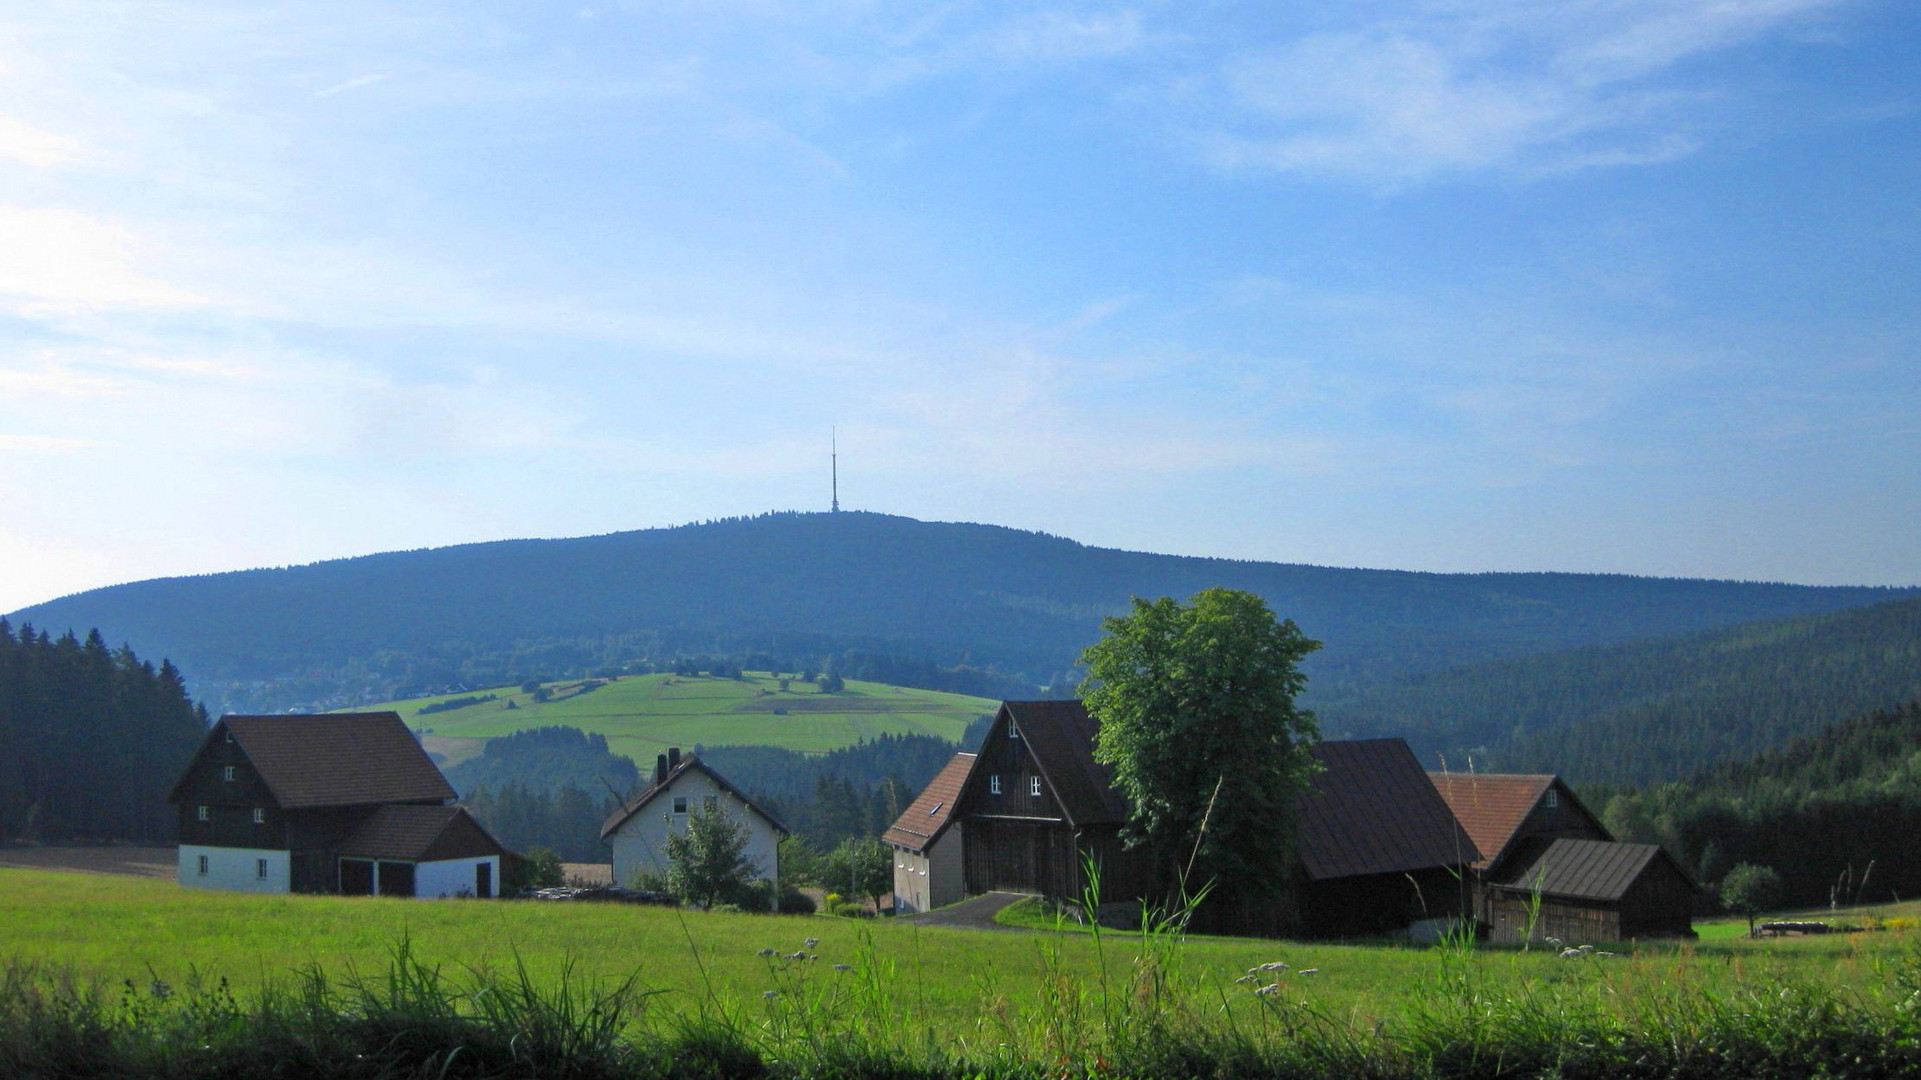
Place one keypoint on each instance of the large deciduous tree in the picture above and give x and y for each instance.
(1196, 704)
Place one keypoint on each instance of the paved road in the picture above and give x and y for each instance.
(155, 862)
(975, 914)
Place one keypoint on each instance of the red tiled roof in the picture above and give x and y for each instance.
(687, 762)
(928, 816)
(338, 759)
(420, 834)
(1371, 810)
(1491, 806)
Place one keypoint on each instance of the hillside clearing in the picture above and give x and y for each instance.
(644, 715)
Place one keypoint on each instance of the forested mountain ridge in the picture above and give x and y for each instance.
(1834, 813)
(1653, 710)
(1022, 604)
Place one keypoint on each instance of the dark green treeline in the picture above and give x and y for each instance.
(94, 739)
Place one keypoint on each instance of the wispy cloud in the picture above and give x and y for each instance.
(25, 143)
(55, 260)
(353, 84)
(1485, 84)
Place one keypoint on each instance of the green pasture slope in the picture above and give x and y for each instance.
(961, 982)
(643, 715)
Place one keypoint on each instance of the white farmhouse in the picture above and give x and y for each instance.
(638, 831)
(927, 843)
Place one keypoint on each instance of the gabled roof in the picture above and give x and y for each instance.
(420, 834)
(1060, 735)
(688, 763)
(1584, 869)
(1492, 807)
(928, 816)
(1371, 810)
(337, 759)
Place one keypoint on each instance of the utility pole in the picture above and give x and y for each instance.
(834, 456)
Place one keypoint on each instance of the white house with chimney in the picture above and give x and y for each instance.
(683, 784)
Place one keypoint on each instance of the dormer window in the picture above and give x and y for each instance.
(994, 783)
(226, 773)
(1034, 786)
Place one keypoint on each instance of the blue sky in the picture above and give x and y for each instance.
(1603, 285)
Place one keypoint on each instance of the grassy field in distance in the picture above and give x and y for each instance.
(643, 715)
(959, 982)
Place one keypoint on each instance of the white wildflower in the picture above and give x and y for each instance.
(1269, 990)
(770, 994)
(1308, 971)
(765, 952)
(843, 967)
(811, 942)
(1274, 966)
(1569, 954)
(1247, 979)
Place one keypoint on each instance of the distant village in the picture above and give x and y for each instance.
(352, 804)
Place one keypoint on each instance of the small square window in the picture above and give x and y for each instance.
(994, 783)
(203, 866)
(680, 804)
(227, 773)
(259, 816)
(260, 869)
(201, 813)
(1034, 786)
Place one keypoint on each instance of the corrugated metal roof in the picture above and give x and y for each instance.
(340, 759)
(1491, 806)
(1581, 869)
(928, 816)
(1060, 735)
(1371, 810)
(687, 762)
(420, 834)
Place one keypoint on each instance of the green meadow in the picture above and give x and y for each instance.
(962, 985)
(643, 715)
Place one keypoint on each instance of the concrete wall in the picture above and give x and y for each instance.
(453, 877)
(923, 882)
(641, 843)
(237, 869)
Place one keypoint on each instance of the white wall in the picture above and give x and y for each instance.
(236, 869)
(452, 877)
(923, 882)
(641, 843)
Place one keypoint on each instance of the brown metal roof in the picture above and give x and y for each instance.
(338, 759)
(1583, 869)
(1371, 810)
(1492, 807)
(420, 834)
(927, 817)
(1060, 734)
(648, 794)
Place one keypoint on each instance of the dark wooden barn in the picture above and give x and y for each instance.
(326, 804)
(1580, 891)
(1533, 833)
(1379, 850)
(1036, 804)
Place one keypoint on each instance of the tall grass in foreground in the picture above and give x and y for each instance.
(858, 1016)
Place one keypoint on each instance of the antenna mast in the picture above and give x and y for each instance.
(834, 457)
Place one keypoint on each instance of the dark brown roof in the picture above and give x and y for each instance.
(1492, 807)
(687, 762)
(339, 759)
(927, 817)
(420, 834)
(1371, 810)
(1060, 735)
(1584, 869)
